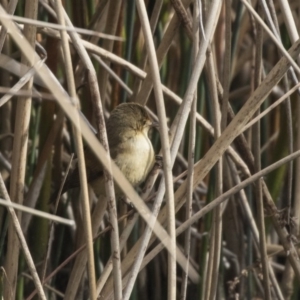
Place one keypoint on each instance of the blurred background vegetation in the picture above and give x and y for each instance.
(239, 48)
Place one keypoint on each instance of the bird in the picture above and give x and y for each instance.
(130, 148)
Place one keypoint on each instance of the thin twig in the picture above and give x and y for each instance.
(37, 213)
(62, 28)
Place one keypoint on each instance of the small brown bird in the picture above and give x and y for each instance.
(130, 148)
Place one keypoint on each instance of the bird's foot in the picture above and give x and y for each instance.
(127, 202)
(158, 161)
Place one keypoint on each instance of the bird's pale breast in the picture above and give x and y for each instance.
(135, 161)
(138, 158)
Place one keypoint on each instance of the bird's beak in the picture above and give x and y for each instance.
(155, 124)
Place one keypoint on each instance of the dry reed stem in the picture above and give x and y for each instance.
(164, 46)
(273, 37)
(127, 230)
(183, 112)
(256, 145)
(36, 183)
(10, 10)
(80, 154)
(83, 31)
(241, 160)
(209, 207)
(10, 289)
(20, 146)
(153, 23)
(95, 95)
(103, 53)
(38, 213)
(53, 85)
(167, 165)
(191, 156)
(216, 229)
(251, 221)
(112, 19)
(234, 129)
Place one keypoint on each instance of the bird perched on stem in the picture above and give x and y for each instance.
(130, 148)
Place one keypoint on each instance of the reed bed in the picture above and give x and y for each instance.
(218, 218)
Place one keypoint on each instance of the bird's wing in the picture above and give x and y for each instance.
(93, 170)
(93, 166)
